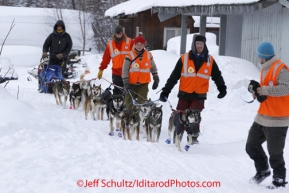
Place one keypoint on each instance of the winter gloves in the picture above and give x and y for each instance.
(125, 84)
(44, 55)
(156, 81)
(223, 91)
(99, 75)
(164, 96)
(59, 56)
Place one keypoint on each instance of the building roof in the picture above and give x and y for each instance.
(189, 7)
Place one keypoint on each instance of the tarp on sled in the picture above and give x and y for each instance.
(48, 75)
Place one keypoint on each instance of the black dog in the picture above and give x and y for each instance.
(114, 109)
(181, 121)
(75, 95)
(154, 124)
(252, 88)
(130, 124)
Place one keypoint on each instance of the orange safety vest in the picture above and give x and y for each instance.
(140, 70)
(117, 56)
(192, 81)
(274, 106)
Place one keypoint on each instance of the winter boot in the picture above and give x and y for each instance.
(277, 183)
(260, 176)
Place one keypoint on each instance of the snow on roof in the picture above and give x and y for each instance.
(134, 6)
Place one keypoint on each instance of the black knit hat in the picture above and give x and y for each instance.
(200, 38)
(118, 29)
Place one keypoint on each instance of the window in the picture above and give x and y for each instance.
(170, 32)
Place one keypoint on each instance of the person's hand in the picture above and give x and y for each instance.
(222, 94)
(125, 84)
(99, 75)
(156, 82)
(164, 96)
(44, 55)
(259, 90)
(59, 56)
(223, 91)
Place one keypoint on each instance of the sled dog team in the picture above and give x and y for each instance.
(145, 118)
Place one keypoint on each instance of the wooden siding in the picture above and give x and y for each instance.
(233, 36)
(259, 26)
(284, 51)
(151, 27)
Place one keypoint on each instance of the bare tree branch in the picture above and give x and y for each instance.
(11, 27)
(10, 77)
(7, 72)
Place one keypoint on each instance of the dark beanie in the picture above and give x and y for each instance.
(118, 29)
(200, 38)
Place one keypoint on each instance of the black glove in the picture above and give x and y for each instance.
(125, 84)
(252, 88)
(156, 82)
(223, 91)
(164, 96)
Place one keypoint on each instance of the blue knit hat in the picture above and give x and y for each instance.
(265, 50)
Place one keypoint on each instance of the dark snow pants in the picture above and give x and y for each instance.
(275, 137)
(117, 80)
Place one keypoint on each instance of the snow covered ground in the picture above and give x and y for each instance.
(45, 148)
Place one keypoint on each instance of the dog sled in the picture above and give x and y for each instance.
(48, 75)
(69, 72)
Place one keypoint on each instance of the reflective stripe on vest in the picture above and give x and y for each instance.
(139, 71)
(117, 56)
(274, 106)
(192, 81)
(114, 51)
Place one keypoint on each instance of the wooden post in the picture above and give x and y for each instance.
(183, 34)
(222, 34)
(136, 31)
(203, 22)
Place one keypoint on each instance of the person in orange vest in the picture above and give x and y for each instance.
(136, 73)
(194, 70)
(116, 50)
(272, 120)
